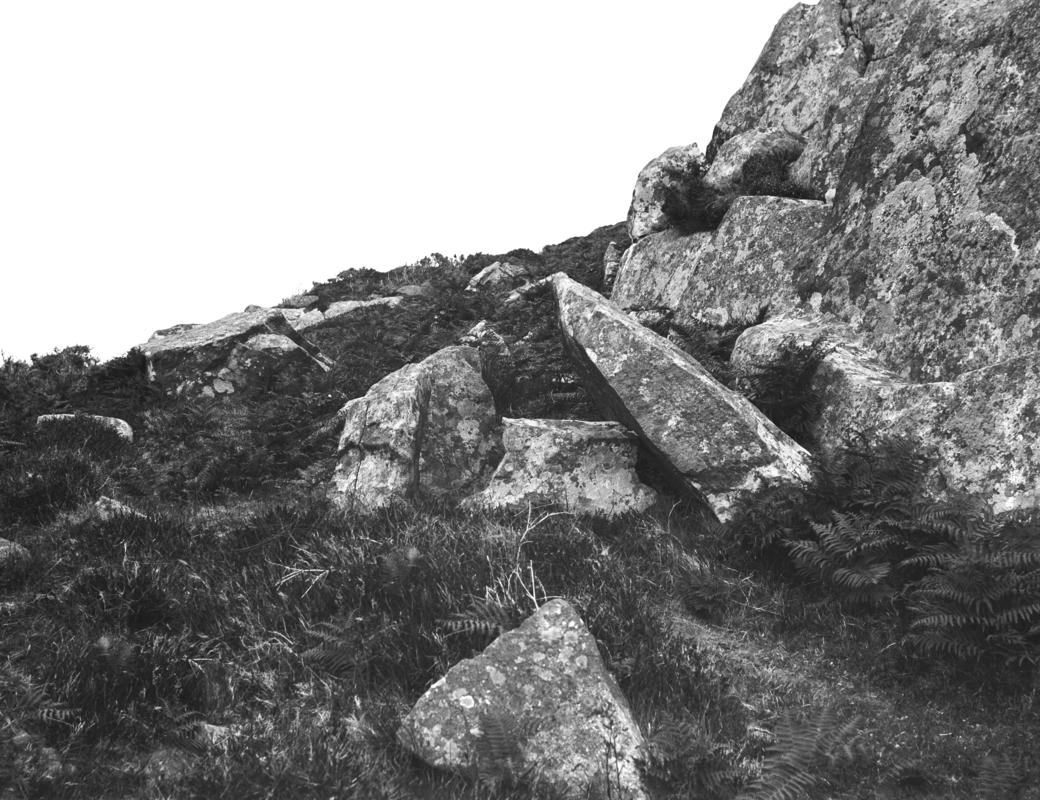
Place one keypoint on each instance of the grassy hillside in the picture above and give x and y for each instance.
(243, 639)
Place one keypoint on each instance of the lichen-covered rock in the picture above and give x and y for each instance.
(542, 694)
(247, 351)
(856, 395)
(711, 440)
(586, 467)
(341, 307)
(920, 116)
(775, 146)
(661, 188)
(611, 265)
(120, 426)
(303, 319)
(750, 263)
(980, 427)
(427, 428)
(500, 276)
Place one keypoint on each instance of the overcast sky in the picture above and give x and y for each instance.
(167, 162)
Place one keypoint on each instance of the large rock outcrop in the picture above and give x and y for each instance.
(586, 467)
(919, 124)
(247, 351)
(919, 117)
(537, 702)
(428, 428)
(979, 427)
(711, 440)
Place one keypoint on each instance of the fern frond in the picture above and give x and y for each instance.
(802, 751)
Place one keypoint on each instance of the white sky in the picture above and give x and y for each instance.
(165, 162)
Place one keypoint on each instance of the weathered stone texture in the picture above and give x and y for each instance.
(544, 681)
(660, 184)
(611, 265)
(726, 173)
(427, 428)
(500, 276)
(980, 426)
(750, 263)
(920, 114)
(586, 467)
(711, 440)
(246, 351)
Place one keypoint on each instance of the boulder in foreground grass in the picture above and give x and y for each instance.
(121, 427)
(709, 439)
(428, 428)
(586, 467)
(537, 702)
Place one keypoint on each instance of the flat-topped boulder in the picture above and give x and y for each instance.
(712, 441)
(585, 467)
(427, 429)
(545, 687)
(245, 351)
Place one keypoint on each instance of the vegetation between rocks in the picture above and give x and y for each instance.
(242, 638)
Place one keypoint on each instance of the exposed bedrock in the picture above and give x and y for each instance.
(980, 427)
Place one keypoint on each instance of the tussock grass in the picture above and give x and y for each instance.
(242, 599)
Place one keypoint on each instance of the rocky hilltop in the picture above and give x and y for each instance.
(716, 502)
(911, 123)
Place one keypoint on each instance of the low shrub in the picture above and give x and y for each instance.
(868, 531)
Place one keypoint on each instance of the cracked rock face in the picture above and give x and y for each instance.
(919, 119)
(711, 440)
(750, 263)
(427, 428)
(921, 116)
(586, 467)
(980, 426)
(242, 352)
(540, 697)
